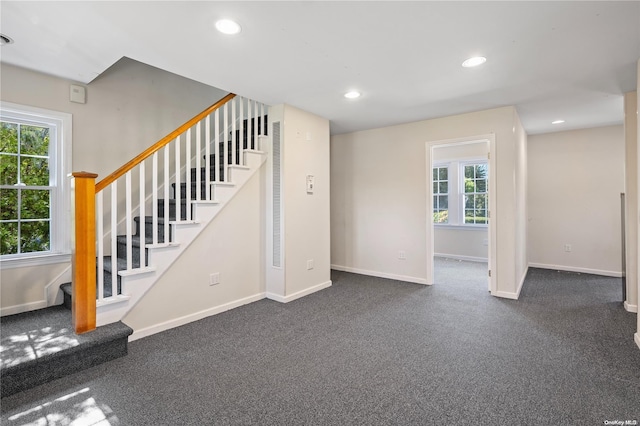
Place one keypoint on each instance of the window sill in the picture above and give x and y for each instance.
(35, 260)
(461, 227)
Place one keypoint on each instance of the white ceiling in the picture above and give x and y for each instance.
(552, 60)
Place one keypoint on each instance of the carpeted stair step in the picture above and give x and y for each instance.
(41, 346)
(148, 228)
(107, 274)
(204, 186)
(121, 241)
(172, 209)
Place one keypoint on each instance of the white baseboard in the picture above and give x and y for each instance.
(630, 308)
(507, 295)
(378, 274)
(25, 307)
(167, 325)
(522, 278)
(636, 337)
(299, 294)
(457, 257)
(615, 274)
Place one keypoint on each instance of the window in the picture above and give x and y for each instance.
(441, 194)
(460, 195)
(475, 193)
(34, 201)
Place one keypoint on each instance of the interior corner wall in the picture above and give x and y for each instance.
(575, 181)
(637, 335)
(305, 214)
(631, 198)
(231, 245)
(521, 175)
(129, 107)
(378, 195)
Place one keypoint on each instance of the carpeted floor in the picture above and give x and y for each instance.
(373, 351)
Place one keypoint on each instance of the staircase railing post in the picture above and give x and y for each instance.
(83, 302)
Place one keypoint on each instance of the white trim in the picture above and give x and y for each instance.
(506, 295)
(615, 274)
(177, 322)
(459, 257)
(52, 293)
(34, 260)
(17, 309)
(630, 308)
(299, 294)
(522, 279)
(467, 227)
(59, 169)
(636, 338)
(378, 274)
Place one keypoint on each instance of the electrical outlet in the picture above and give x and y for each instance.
(214, 278)
(402, 255)
(309, 264)
(567, 248)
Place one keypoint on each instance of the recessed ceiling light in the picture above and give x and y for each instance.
(474, 62)
(5, 40)
(557, 122)
(227, 26)
(352, 94)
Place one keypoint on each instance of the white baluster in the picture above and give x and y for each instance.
(187, 161)
(142, 222)
(154, 198)
(241, 145)
(114, 238)
(166, 193)
(100, 248)
(207, 154)
(234, 137)
(225, 131)
(249, 124)
(218, 158)
(128, 220)
(198, 163)
(255, 125)
(177, 192)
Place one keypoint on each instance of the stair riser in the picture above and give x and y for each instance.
(172, 210)
(148, 229)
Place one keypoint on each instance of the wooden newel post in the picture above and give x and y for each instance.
(83, 300)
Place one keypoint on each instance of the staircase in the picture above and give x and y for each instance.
(150, 210)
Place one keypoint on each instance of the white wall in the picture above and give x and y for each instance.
(460, 242)
(231, 245)
(631, 191)
(129, 107)
(521, 176)
(378, 195)
(575, 181)
(305, 216)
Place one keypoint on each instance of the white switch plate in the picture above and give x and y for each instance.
(77, 94)
(214, 278)
(310, 264)
(310, 184)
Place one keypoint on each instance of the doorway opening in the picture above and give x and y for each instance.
(461, 211)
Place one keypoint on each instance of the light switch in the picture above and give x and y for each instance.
(310, 184)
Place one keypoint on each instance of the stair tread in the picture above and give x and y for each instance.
(58, 347)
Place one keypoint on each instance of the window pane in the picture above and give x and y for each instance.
(8, 169)
(441, 216)
(8, 238)
(480, 201)
(444, 187)
(468, 216)
(443, 202)
(435, 173)
(34, 171)
(443, 173)
(9, 137)
(481, 185)
(34, 236)
(435, 187)
(481, 216)
(435, 202)
(34, 140)
(469, 201)
(35, 204)
(481, 171)
(9, 204)
(468, 172)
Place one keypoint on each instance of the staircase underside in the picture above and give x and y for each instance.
(41, 346)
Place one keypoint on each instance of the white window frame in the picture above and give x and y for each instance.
(456, 192)
(461, 166)
(446, 165)
(60, 146)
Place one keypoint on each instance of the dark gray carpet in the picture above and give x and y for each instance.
(372, 351)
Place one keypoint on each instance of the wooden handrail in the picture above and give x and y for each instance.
(83, 285)
(162, 142)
